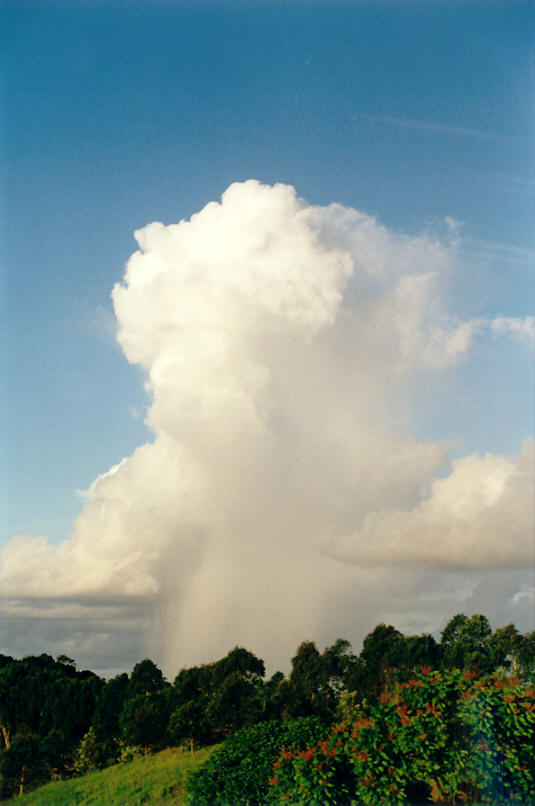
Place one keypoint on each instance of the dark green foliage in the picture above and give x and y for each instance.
(382, 656)
(465, 644)
(46, 707)
(236, 702)
(66, 661)
(146, 678)
(146, 708)
(144, 720)
(4, 660)
(316, 679)
(503, 646)
(525, 656)
(421, 650)
(240, 771)
(189, 723)
(90, 754)
(105, 723)
(240, 662)
(216, 699)
(24, 765)
(273, 696)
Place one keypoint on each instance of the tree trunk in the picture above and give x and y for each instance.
(5, 734)
(21, 786)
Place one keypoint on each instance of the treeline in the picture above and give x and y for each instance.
(56, 721)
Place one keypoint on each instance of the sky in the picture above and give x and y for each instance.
(267, 324)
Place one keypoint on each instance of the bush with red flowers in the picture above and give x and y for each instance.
(441, 736)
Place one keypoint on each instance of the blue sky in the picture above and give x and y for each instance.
(122, 113)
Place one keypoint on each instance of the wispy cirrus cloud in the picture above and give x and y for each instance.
(495, 251)
(510, 183)
(432, 127)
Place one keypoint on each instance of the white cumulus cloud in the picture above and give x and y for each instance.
(520, 328)
(280, 497)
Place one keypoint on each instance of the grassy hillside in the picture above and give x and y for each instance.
(153, 780)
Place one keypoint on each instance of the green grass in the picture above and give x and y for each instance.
(152, 779)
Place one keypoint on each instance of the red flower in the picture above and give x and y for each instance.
(274, 781)
(306, 755)
(471, 675)
(339, 728)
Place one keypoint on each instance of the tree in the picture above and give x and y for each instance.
(24, 765)
(452, 653)
(421, 650)
(216, 699)
(526, 655)
(503, 647)
(465, 643)
(143, 721)
(239, 661)
(189, 723)
(305, 681)
(146, 707)
(193, 689)
(235, 703)
(146, 678)
(46, 699)
(105, 722)
(383, 655)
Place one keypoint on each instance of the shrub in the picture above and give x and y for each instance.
(440, 736)
(240, 771)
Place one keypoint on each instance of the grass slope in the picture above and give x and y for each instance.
(152, 779)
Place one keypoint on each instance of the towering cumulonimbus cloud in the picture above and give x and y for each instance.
(282, 497)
